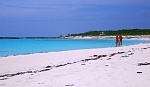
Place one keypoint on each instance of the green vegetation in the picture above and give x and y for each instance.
(114, 32)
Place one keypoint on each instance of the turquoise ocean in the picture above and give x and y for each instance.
(9, 47)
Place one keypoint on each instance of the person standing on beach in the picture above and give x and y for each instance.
(120, 40)
(117, 40)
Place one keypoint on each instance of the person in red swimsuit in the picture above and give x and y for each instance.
(120, 40)
(117, 40)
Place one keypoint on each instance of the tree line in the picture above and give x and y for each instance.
(114, 32)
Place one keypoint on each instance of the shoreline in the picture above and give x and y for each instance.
(60, 51)
(126, 64)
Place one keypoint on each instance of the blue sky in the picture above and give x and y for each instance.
(59, 17)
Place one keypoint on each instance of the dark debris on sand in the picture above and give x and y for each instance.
(47, 68)
(116, 54)
(146, 63)
(139, 72)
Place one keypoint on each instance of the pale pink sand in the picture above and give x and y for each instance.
(115, 72)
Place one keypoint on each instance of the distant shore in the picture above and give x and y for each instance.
(29, 37)
(133, 37)
(136, 37)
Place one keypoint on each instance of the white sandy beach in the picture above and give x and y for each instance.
(126, 66)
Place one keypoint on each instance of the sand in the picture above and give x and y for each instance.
(126, 66)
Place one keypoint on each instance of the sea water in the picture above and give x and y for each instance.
(10, 47)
